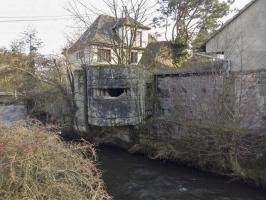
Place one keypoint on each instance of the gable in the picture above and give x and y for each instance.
(230, 21)
(101, 30)
(243, 40)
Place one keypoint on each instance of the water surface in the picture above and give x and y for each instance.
(134, 177)
(12, 113)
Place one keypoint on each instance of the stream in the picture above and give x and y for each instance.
(12, 113)
(134, 177)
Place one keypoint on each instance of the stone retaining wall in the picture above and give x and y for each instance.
(235, 99)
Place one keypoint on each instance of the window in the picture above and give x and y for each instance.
(115, 92)
(104, 55)
(80, 55)
(134, 57)
(138, 40)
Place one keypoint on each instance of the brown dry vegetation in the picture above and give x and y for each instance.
(10, 78)
(36, 164)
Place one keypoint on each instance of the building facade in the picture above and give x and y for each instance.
(242, 39)
(108, 40)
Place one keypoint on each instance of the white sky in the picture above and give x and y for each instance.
(51, 32)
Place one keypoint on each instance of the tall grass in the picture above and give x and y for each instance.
(36, 164)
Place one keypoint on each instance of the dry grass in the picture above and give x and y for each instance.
(36, 164)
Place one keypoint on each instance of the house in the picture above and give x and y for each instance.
(107, 39)
(242, 39)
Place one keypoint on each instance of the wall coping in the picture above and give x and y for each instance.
(196, 69)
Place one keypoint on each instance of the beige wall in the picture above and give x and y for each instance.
(127, 31)
(90, 57)
(90, 52)
(243, 41)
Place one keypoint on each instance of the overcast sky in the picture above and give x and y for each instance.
(52, 20)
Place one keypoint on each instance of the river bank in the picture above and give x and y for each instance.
(234, 153)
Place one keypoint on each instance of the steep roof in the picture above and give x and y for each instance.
(231, 20)
(128, 21)
(100, 31)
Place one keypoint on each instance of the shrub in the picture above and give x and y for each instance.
(36, 164)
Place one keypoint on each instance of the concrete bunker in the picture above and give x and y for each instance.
(116, 95)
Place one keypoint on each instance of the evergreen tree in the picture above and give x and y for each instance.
(189, 19)
(200, 39)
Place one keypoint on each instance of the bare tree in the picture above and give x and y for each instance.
(128, 16)
(54, 77)
(58, 74)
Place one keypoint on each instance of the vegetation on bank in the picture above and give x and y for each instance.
(36, 164)
(228, 151)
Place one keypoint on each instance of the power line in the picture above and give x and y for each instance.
(13, 19)
(28, 17)
(32, 20)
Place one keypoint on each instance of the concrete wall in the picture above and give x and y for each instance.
(80, 92)
(208, 93)
(191, 97)
(250, 99)
(243, 40)
(110, 96)
(232, 100)
(116, 95)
